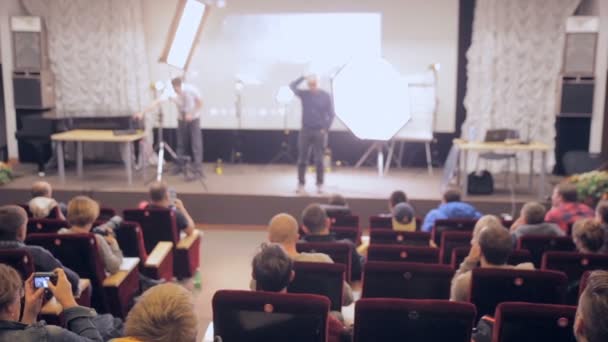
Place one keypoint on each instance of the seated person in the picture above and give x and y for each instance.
(42, 203)
(531, 221)
(451, 208)
(565, 208)
(316, 225)
(159, 198)
(492, 250)
(164, 313)
(13, 229)
(591, 322)
(283, 230)
(272, 269)
(395, 198)
(484, 221)
(404, 218)
(78, 319)
(589, 236)
(82, 213)
(336, 206)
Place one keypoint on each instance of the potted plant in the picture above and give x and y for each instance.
(6, 173)
(592, 186)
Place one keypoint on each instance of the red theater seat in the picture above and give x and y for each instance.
(319, 278)
(266, 316)
(527, 322)
(160, 225)
(38, 226)
(451, 240)
(386, 222)
(340, 253)
(106, 213)
(583, 283)
(346, 233)
(426, 255)
(413, 320)
(406, 280)
(347, 221)
(389, 236)
(461, 225)
(539, 244)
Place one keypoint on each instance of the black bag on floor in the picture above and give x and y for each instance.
(480, 183)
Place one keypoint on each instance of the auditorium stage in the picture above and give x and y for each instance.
(251, 194)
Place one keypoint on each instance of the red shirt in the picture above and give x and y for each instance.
(567, 213)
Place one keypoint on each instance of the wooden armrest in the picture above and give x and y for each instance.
(159, 253)
(51, 308)
(127, 266)
(187, 242)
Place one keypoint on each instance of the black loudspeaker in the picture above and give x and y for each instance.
(579, 53)
(572, 134)
(33, 90)
(576, 96)
(29, 43)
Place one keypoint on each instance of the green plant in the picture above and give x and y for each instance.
(6, 173)
(591, 186)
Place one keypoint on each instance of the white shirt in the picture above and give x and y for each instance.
(186, 101)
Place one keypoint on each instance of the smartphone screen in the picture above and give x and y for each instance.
(172, 195)
(41, 282)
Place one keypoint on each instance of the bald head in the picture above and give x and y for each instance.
(283, 228)
(42, 189)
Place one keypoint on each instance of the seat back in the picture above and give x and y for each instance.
(379, 319)
(347, 233)
(583, 282)
(319, 278)
(426, 255)
(534, 322)
(53, 214)
(106, 213)
(492, 286)
(19, 259)
(349, 221)
(380, 222)
(131, 240)
(157, 225)
(574, 264)
(451, 240)
(389, 236)
(46, 225)
(340, 253)
(517, 257)
(539, 244)
(79, 253)
(266, 316)
(462, 225)
(383, 279)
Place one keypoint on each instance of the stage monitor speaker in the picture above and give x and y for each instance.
(29, 43)
(576, 97)
(33, 90)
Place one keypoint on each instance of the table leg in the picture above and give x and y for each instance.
(79, 159)
(531, 173)
(543, 175)
(128, 155)
(144, 161)
(465, 173)
(60, 161)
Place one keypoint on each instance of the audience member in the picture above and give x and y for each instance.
(565, 208)
(336, 206)
(337, 200)
(13, 228)
(492, 250)
(82, 213)
(316, 224)
(531, 221)
(591, 322)
(79, 320)
(404, 218)
(159, 198)
(272, 269)
(42, 203)
(396, 197)
(164, 313)
(601, 213)
(451, 208)
(588, 236)
(484, 221)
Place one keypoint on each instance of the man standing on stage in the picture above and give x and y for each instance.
(317, 117)
(189, 138)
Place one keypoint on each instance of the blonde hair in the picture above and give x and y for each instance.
(164, 313)
(283, 228)
(485, 221)
(82, 211)
(41, 189)
(10, 286)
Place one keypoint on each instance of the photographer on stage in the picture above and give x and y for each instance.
(317, 117)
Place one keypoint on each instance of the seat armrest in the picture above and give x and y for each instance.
(127, 266)
(159, 253)
(187, 241)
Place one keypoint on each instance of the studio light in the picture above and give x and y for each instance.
(371, 98)
(185, 30)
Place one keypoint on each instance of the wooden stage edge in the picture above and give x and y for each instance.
(245, 197)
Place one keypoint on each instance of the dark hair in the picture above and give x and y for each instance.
(158, 191)
(12, 217)
(568, 192)
(397, 197)
(314, 218)
(271, 268)
(496, 244)
(593, 305)
(534, 212)
(337, 199)
(602, 210)
(588, 235)
(177, 82)
(451, 195)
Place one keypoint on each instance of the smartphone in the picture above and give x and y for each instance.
(42, 279)
(172, 195)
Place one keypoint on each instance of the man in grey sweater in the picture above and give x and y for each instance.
(532, 222)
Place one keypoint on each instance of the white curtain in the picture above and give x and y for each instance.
(513, 68)
(97, 53)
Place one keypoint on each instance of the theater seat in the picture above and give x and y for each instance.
(46, 225)
(451, 240)
(517, 257)
(53, 214)
(383, 279)
(106, 213)
(527, 322)
(319, 278)
(386, 222)
(345, 233)
(461, 225)
(113, 294)
(389, 236)
(413, 320)
(426, 255)
(583, 283)
(346, 221)
(492, 286)
(267, 316)
(539, 244)
(340, 253)
(160, 225)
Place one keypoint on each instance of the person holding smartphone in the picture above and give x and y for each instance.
(162, 196)
(79, 320)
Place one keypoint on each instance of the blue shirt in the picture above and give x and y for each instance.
(317, 107)
(452, 210)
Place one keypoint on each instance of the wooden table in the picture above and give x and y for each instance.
(464, 147)
(93, 135)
